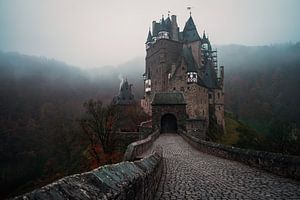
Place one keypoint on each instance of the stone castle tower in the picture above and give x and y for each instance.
(182, 61)
(125, 96)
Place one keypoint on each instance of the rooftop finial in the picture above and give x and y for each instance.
(190, 9)
(169, 13)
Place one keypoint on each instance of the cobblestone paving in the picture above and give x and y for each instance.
(191, 174)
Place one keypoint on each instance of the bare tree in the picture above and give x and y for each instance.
(99, 125)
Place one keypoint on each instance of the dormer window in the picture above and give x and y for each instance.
(154, 39)
(148, 85)
(163, 34)
(192, 77)
(205, 46)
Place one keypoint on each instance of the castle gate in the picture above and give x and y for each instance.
(168, 112)
(168, 124)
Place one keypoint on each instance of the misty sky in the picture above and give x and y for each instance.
(91, 33)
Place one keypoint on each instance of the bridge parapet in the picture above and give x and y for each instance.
(125, 180)
(137, 148)
(283, 165)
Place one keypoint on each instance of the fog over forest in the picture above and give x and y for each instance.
(264, 77)
(57, 56)
(42, 99)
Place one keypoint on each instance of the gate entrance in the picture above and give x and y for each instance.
(168, 124)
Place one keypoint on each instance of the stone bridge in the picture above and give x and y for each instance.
(177, 166)
(191, 174)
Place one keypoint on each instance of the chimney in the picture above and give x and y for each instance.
(175, 29)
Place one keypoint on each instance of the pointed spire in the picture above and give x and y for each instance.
(190, 31)
(163, 24)
(204, 36)
(149, 38)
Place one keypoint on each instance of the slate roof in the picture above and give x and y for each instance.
(189, 59)
(190, 33)
(168, 24)
(156, 28)
(210, 78)
(205, 40)
(168, 98)
(149, 38)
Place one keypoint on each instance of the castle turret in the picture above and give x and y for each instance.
(163, 32)
(125, 96)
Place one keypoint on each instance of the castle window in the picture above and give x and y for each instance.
(218, 95)
(174, 88)
(209, 96)
(188, 88)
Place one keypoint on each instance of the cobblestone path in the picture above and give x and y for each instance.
(191, 174)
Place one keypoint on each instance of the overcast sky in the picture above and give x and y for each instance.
(91, 33)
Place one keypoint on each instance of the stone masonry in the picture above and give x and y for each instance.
(191, 174)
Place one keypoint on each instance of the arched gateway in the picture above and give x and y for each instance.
(168, 124)
(168, 112)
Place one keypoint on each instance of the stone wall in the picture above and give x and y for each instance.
(160, 110)
(126, 180)
(196, 128)
(283, 165)
(135, 149)
(159, 59)
(123, 139)
(219, 107)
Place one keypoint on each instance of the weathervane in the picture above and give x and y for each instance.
(190, 9)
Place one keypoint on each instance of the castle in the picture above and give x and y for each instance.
(125, 96)
(182, 69)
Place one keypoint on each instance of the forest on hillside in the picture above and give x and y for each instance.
(41, 102)
(42, 99)
(262, 84)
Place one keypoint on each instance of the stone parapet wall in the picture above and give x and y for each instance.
(126, 180)
(283, 165)
(137, 148)
(123, 139)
